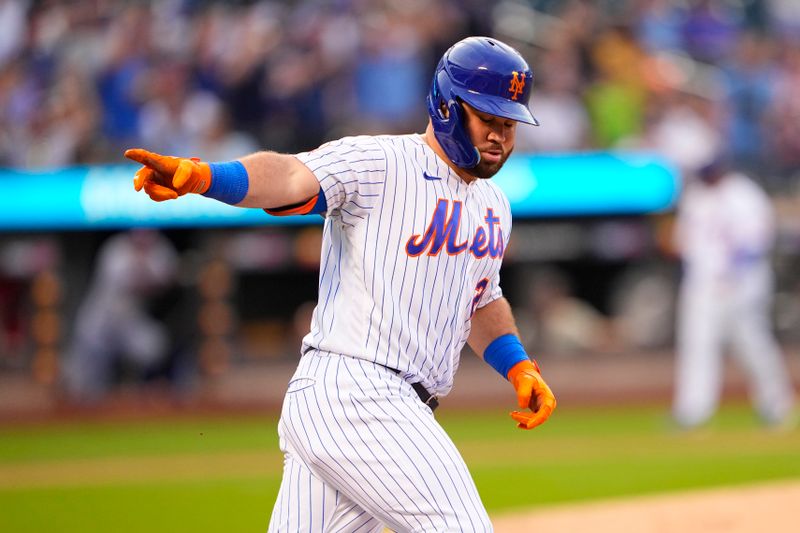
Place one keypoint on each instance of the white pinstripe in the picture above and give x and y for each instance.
(361, 449)
(357, 439)
(320, 508)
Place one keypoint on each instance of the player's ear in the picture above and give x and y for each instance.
(445, 110)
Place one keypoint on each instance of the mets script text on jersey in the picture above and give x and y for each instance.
(443, 231)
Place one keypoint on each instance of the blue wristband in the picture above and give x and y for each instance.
(504, 352)
(229, 182)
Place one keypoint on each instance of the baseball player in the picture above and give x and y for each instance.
(724, 232)
(414, 236)
(111, 323)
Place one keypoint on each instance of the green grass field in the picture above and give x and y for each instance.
(222, 474)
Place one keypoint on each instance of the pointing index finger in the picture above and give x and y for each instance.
(151, 159)
(136, 154)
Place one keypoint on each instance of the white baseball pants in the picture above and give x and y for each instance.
(362, 452)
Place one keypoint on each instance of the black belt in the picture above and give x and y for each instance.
(431, 400)
(427, 398)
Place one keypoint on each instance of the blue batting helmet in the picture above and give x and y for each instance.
(487, 74)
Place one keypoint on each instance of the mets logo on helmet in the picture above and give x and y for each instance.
(517, 85)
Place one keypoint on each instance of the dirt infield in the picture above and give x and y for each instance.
(752, 509)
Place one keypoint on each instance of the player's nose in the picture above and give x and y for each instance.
(497, 135)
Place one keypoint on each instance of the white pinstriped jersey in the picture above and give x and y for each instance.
(409, 251)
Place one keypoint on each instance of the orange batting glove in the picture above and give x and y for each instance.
(532, 392)
(165, 177)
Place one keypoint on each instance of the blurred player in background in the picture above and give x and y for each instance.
(113, 328)
(414, 236)
(725, 232)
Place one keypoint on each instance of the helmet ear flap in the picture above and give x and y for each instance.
(437, 103)
(447, 117)
(470, 155)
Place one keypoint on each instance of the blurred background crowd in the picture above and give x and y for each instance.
(82, 81)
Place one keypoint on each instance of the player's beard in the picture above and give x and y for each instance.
(485, 170)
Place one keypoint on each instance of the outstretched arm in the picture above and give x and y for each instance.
(495, 339)
(263, 179)
(277, 180)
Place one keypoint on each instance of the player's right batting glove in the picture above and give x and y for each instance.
(533, 393)
(165, 177)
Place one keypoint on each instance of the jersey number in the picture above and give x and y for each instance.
(480, 288)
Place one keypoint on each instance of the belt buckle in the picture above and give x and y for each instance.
(432, 402)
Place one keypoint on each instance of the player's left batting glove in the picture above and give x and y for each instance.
(164, 177)
(533, 393)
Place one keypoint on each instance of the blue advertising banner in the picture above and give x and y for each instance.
(590, 184)
(102, 197)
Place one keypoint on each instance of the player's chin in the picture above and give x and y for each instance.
(488, 167)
